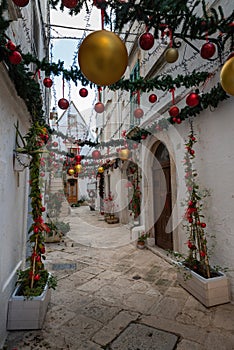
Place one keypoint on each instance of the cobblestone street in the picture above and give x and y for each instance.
(111, 295)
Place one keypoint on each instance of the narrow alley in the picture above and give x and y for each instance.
(115, 296)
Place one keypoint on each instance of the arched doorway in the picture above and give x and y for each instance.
(162, 198)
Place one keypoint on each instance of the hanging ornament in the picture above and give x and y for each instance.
(171, 55)
(96, 154)
(146, 41)
(99, 3)
(78, 168)
(78, 158)
(138, 113)
(101, 170)
(103, 57)
(124, 154)
(174, 111)
(63, 103)
(207, 50)
(227, 76)
(55, 144)
(21, 3)
(70, 3)
(71, 171)
(48, 82)
(193, 99)
(11, 46)
(15, 57)
(99, 107)
(152, 98)
(83, 92)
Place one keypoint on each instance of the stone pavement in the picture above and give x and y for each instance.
(111, 295)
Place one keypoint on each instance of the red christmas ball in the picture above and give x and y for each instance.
(96, 154)
(78, 158)
(99, 107)
(138, 113)
(83, 92)
(146, 41)
(207, 50)
(47, 82)
(192, 99)
(70, 3)
(10, 45)
(152, 98)
(174, 111)
(63, 103)
(15, 57)
(21, 3)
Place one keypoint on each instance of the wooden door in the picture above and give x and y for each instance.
(162, 199)
(71, 191)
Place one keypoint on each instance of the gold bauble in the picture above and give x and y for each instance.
(103, 57)
(124, 154)
(227, 76)
(78, 168)
(71, 171)
(171, 55)
(101, 170)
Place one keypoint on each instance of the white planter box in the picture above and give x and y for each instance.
(210, 292)
(27, 313)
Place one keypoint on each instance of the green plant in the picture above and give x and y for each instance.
(143, 236)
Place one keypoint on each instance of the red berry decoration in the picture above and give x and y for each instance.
(152, 98)
(99, 107)
(146, 41)
(203, 224)
(10, 45)
(207, 50)
(70, 3)
(193, 99)
(96, 154)
(21, 3)
(138, 113)
(63, 103)
(83, 92)
(15, 57)
(78, 158)
(174, 111)
(37, 277)
(47, 82)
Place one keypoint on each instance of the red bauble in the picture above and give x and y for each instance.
(207, 50)
(21, 3)
(174, 111)
(152, 98)
(47, 82)
(15, 57)
(10, 45)
(138, 113)
(70, 3)
(99, 107)
(63, 103)
(192, 99)
(83, 92)
(78, 158)
(99, 3)
(96, 154)
(55, 144)
(146, 41)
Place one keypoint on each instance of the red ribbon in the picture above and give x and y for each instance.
(173, 95)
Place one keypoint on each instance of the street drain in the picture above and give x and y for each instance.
(136, 277)
(139, 336)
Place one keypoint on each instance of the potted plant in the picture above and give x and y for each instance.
(28, 303)
(141, 240)
(209, 285)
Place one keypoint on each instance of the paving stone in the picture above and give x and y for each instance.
(189, 345)
(224, 319)
(141, 303)
(100, 312)
(114, 327)
(198, 318)
(91, 286)
(219, 340)
(141, 337)
(167, 307)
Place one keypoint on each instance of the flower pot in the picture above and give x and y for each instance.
(209, 291)
(140, 244)
(27, 313)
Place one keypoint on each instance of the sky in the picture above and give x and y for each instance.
(65, 49)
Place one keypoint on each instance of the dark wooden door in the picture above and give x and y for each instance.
(71, 191)
(162, 200)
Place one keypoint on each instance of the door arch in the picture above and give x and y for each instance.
(162, 198)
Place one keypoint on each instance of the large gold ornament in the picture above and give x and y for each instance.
(71, 171)
(227, 76)
(103, 57)
(78, 168)
(124, 154)
(171, 55)
(101, 170)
